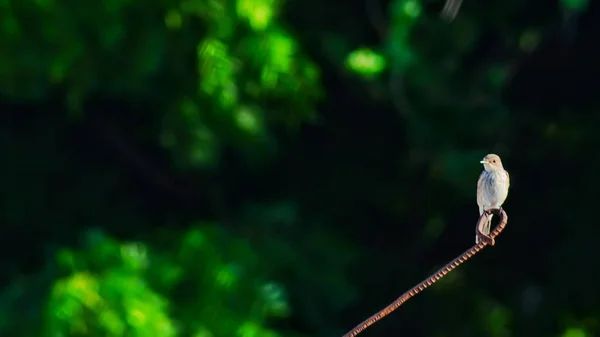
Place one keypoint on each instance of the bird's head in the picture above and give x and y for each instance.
(492, 162)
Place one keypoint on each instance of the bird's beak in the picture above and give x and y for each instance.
(483, 162)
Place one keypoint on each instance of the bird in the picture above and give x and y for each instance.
(492, 188)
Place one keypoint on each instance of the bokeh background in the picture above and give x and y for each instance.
(268, 168)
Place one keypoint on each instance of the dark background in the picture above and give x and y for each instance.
(341, 201)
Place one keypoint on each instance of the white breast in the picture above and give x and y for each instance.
(492, 189)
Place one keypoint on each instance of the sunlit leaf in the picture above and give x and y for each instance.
(365, 62)
(574, 332)
(259, 13)
(412, 8)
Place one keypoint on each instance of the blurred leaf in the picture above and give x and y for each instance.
(365, 62)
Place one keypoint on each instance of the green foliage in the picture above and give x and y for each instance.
(249, 71)
(365, 62)
(574, 332)
(241, 70)
(215, 77)
(195, 287)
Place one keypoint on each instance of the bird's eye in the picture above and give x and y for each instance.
(494, 161)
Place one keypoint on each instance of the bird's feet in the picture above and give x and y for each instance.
(492, 211)
(486, 239)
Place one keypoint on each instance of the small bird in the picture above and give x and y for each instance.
(492, 188)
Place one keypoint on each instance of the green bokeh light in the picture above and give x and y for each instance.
(412, 8)
(577, 5)
(574, 332)
(173, 20)
(365, 62)
(248, 120)
(259, 13)
(529, 40)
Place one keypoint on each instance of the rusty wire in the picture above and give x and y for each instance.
(485, 241)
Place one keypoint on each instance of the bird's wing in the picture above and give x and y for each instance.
(507, 179)
(480, 192)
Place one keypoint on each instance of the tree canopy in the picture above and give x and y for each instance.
(268, 168)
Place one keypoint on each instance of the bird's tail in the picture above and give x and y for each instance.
(485, 229)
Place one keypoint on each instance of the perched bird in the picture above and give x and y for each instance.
(492, 188)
